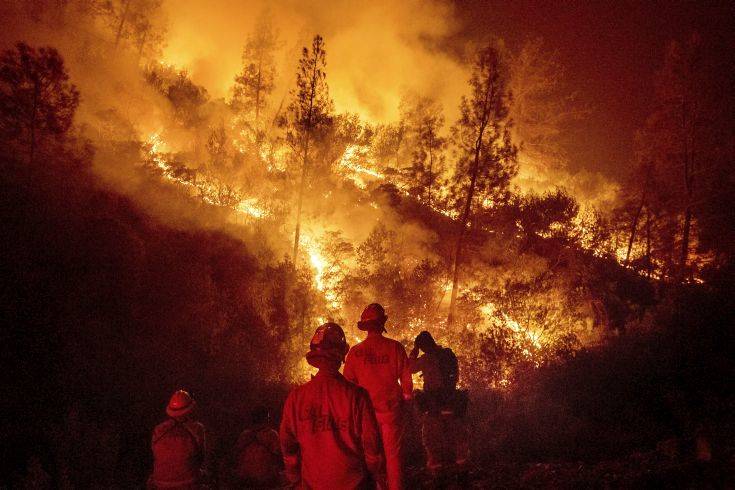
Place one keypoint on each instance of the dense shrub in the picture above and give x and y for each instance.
(635, 391)
(107, 311)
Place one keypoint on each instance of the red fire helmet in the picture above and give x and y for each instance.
(180, 404)
(373, 317)
(328, 341)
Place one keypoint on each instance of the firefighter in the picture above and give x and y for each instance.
(378, 364)
(443, 407)
(179, 446)
(257, 455)
(329, 436)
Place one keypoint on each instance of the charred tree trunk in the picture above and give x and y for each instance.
(123, 18)
(455, 276)
(258, 89)
(304, 164)
(465, 218)
(36, 95)
(431, 171)
(302, 185)
(689, 189)
(277, 114)
(685, 240)
(649, 264)
(633, 228)
(142, 45)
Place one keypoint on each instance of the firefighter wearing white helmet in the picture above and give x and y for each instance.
(329, 436)
(179, 446)
(380, 365)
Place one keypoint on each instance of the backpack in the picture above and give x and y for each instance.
(177, 453)
(449, 367)
(254, 460)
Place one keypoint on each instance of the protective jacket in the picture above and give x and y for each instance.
(179, 449)
(443, 430)
(376, 364)
(438, 368)
(257, 456)
(329, 436)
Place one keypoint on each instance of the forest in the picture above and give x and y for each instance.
(160, 233)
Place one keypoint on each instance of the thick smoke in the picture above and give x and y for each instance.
(377, 53)
(376, 50)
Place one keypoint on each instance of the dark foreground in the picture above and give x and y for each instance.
(110, 311)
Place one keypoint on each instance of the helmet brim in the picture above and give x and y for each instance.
(366, 325)
(315, 357)
(180, 412)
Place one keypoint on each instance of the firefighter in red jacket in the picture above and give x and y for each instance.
(179, 446)
(329, 436)
(380, 365)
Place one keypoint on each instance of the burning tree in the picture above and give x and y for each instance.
(679, 163)
(422, 121)
(548, 216)
(485, 155)
(255, 83)
(542, 107)
(387, 142)
(132, 19)
(309, 115)
(639, 205)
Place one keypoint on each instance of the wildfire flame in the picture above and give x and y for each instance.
(357, 165)
(493, 316)
(247, 207)
(320, 265)
(354, 170)
(251, 208)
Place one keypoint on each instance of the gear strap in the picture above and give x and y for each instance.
(188, 431)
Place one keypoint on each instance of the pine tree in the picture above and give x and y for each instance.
(133, 20)
(682, 137)
(36, 98)
(422, 120)
(543, 105)
(309, 114)
(256, 81)
(486, 159)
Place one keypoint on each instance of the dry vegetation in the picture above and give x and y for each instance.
(190, 240)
